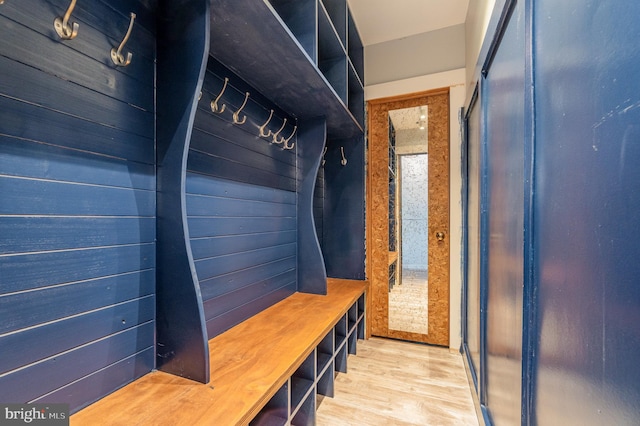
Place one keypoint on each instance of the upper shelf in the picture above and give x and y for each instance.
(256, 42)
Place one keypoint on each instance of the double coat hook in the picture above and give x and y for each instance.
(286, 141)
(268, 133)
(63, 27)
(276, 134)
(116, 54)
(214, 103)
(236, 115)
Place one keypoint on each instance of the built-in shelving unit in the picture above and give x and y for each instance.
(299, 58)
(314, 378)
(305, 55)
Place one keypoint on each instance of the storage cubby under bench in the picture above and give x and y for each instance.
(266, 370)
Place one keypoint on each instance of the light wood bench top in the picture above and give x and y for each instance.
(249, 363)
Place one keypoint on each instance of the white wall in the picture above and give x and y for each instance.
(417, 55)
(455, 80)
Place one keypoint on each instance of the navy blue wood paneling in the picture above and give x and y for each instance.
(503, 90)
(27, 384)
(586, 203)
(240, 202)
(182, 44)
(312, 274)
(77, 215)
(344, 206)
(244, 242)
(318, 205)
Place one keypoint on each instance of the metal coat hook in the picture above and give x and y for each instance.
(236, 114)
(344, 160)
(323, 154)
(214, 103)
(262, 133)
(116, 54)
(286, 141)
(200, 95)
(66, 30)
(275, 135)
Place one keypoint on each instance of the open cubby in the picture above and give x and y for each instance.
(361, 302)
(361, 328)
(352, 342)
(352, 316)
(276, 412)
(337, 10)
(354, 46)
(355, 95)
(306, 414)
(332, 59)
(340, 330)
(324, 352)
(302, 381)
(340, 358)
(300, 17)
(325, 381)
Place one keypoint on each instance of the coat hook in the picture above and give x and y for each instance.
(262, 133)
(200, 95)
(286, 141)
(344, 160)
(323, 154)
(116, 54)
(236, 114)
(275, 135)
(214, 103)
(65, 30)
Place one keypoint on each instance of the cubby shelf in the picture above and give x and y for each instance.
(314, 378)
(294, 53)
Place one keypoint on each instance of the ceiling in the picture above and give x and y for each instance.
(383, 20)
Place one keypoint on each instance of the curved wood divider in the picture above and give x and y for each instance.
(183, 47)
(312, 275)
(249, 364)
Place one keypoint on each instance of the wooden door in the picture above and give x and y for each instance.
(379, 256)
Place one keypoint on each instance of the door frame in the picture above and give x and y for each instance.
(377, 267)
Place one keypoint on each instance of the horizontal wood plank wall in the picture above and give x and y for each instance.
(77, 213)
(241, 203)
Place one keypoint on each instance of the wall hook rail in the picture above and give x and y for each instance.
(344, 160)
(262, 133)
(236, 114)
(286, 141)
(66, 30)
(116, 54)
(214, 103)
(275, 135)
(323, 154)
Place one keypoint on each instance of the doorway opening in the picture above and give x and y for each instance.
(408, 216)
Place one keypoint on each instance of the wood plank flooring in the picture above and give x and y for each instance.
(390, 382)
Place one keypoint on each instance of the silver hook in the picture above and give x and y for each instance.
(61, 24)
(262, 133)
(236, 114)
(116, 54)
(275, 135)
(214, 103)
(323, 154)
(286, 146)
(200, 95)
(344, 160)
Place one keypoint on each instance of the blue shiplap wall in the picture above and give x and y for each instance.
(241, 204)
(77, 213)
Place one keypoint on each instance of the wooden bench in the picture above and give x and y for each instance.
(270, 365)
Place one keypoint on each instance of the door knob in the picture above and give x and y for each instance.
(440, 236)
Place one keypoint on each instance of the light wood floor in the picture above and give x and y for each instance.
(399, 383)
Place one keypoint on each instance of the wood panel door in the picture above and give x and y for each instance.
(379, 257)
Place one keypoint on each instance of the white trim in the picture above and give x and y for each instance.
(416, 84)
